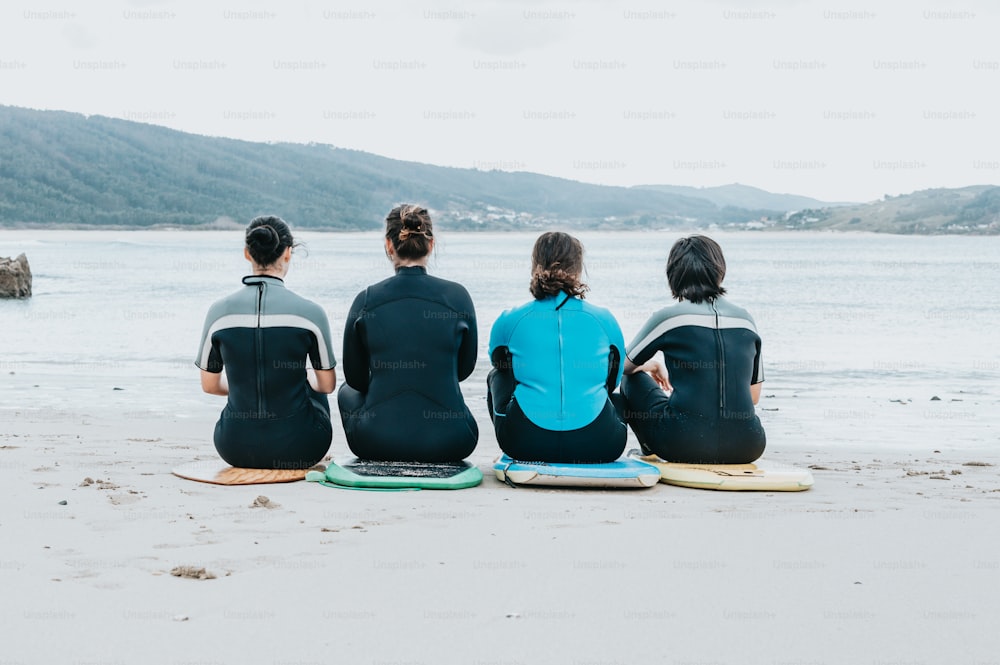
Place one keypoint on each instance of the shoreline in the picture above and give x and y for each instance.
(562, 226)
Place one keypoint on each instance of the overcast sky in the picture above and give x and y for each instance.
(840, 101)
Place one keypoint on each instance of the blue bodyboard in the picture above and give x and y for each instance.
(623, 473)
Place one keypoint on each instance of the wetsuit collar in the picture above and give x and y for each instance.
(559, 299)
(263, 279)
(411, 270)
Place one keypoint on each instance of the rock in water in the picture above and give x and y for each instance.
(15, 278)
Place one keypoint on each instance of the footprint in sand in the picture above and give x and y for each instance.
(124, 499)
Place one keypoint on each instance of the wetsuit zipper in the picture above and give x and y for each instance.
(562, 371)
(720, 347)
(259, 343)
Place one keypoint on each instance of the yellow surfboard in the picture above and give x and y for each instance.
(731, 477)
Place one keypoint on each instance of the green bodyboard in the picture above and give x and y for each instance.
(369, 474)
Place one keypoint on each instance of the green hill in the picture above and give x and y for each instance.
(69, 170)
(66, 169)
(967, 210)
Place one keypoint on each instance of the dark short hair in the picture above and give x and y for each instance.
(410, 230)
(267, 239)
(556, 265)
(695, 269)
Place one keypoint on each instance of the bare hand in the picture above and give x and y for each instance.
(658, 371)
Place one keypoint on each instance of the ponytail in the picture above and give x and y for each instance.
(556, 266)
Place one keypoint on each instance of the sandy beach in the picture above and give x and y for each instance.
(891, 558)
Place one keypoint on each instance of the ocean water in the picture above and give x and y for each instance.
(846, 319)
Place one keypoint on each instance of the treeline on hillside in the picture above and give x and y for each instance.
(60, 168)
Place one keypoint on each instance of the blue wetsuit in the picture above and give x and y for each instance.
(556, 362)
(262, 336)
(408, 342)
(712, 354)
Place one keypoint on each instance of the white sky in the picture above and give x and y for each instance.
(826, 99)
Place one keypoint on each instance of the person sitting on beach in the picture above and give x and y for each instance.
(556, 361)
(408, 342)
(277, 415)
(698, 407)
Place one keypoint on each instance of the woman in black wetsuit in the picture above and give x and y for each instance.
(699, 406)
(408, 342)
(277, 414)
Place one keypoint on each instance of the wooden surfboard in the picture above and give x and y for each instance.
(218, 472)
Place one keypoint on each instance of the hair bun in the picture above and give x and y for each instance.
(414, 221)
(553, 276)
(409, 215)
(410, 229)
(265, 237)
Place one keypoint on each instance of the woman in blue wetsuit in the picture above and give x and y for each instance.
(277, 414)
(408, 342)
(556, 361)
(698, 406)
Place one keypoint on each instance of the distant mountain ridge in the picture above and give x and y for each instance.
(62, 169)
(744, 196)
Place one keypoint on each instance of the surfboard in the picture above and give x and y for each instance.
(218, 472)
(622, 473)
(732, 477)
(372, 474)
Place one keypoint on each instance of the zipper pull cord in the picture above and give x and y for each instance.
(719, 359)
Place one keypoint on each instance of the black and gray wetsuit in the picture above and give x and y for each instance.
(712, 353)
(408, 342)
(262, 335)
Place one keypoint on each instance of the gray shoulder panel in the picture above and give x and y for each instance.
(686, 313)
